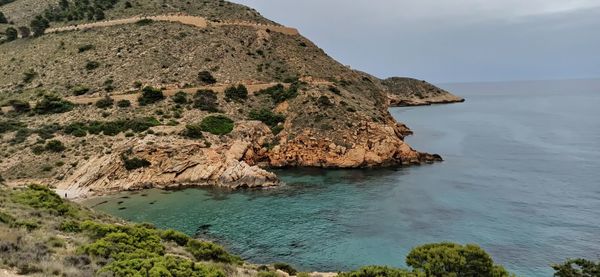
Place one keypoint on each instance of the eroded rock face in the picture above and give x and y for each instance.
(373, 145)
(175, 162)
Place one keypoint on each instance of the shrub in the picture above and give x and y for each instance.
(10, 125)
(11, 34)
(206, 78)
(79, 90)
(91, 65)
(3, 19)
(238, 93)
(105, 102)
(577, 268)
(150, 95)
(37, 150)
(144, 22)
(29, 75)
(41, 197)
(285, 268)
(445, 259)
(85, 47)
(180, 97)
(38, 25)
(69, 226)
(279, 93)
(175, 236)
(52, 104)
(193, 131)
(134, 163)
(123, 103)
(24, 31)
(335, 90)
(208, 251)
(324, 101)
(381, 271)
(20, 106)
(55, 146)
(206, 100)
(217, 124)
(267, 117)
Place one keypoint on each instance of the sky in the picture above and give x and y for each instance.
(451, 40)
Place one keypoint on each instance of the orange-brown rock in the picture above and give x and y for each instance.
(376, 145)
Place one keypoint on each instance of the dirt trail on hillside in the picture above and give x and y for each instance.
(132, 96)
(196, 21)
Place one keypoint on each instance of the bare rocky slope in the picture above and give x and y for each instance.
(54, 129)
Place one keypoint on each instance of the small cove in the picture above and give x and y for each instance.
(521, 178)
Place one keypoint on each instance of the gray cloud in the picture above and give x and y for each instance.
(451, 41)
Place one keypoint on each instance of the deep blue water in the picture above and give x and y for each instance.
(521, 179)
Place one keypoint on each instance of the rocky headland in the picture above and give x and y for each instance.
(200, 94)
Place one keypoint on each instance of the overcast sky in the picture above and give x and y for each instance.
(451, 40)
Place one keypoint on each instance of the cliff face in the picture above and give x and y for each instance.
(412, 92)
(322, 114)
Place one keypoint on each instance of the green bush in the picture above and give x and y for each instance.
(208, 251)
(79, 90)
(70, 226)
(91, 65)
(105, 102)
(41, 197)
(38, 25)
(450, 259)
(11, 34)
(175, 236)
(279, 93)
(132, 265)
(285, 268)
(37, 150)
(20, 106)
(3, 19)
(206, 78)
(324, 101)
(193, 131)
(10, 126)
(85, 47)
(150, 95)
(135, 163)
(217, 124)
(180, 97)
(123, 103)
(382, 271)
(144, 22)
(577, 268)
(29, 75)
(52, 104)
(238, 93)
(206, 100)
(267, 117)
(55, 146)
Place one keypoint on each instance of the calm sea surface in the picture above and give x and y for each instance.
(521, 179)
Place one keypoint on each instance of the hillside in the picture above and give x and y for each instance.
(412, 92)
(130, 103)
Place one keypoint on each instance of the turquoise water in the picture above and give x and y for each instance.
(521, 179)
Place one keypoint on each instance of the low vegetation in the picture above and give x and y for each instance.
(150, 95)
(239, 93)
(206, 100)
(279, 93)
(273, 120)
(65, 239)
(111, 128)
(217, 124)
(51, 104)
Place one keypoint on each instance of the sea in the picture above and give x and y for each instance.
(520, 178)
